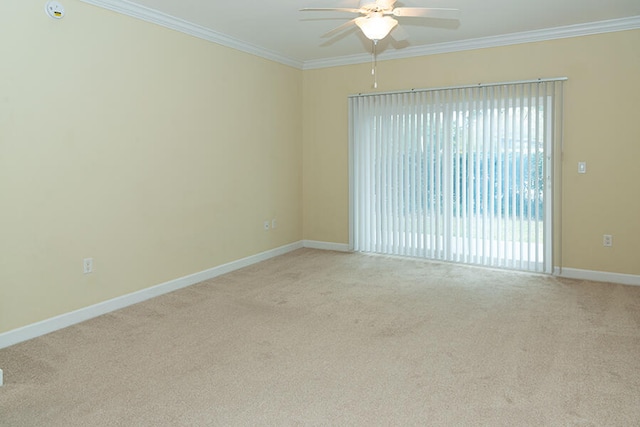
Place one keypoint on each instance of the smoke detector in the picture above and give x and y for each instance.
(54, 9)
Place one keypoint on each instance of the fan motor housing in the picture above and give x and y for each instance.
(376, 6)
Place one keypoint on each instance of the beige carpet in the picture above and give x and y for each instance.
(324, 338)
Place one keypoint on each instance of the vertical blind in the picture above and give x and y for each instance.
(459, 174)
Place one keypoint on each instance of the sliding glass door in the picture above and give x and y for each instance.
(457, 174)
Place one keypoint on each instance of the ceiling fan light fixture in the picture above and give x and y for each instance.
(376, 26)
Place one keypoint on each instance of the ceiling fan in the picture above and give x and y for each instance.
(376, 22)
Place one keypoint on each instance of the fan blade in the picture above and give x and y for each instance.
(329, 9)
(426, 12)
(340, 28)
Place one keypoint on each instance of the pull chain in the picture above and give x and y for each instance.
(374, 64)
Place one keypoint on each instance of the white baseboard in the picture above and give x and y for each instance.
(571, 273)
(597, 276)
(326, 246)
(67, 319)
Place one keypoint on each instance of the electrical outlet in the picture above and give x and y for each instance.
(266, 225)
(87, 265)
(1, 378)
(274, 224)
(607, 240)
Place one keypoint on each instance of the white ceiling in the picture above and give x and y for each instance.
(278, 29)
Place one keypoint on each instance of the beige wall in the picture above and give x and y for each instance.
(602, 109)
(156, 153)
(159, 154)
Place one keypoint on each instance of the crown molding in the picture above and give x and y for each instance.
(150, 15)
(577, 30)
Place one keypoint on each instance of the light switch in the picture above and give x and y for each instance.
(582, 167)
